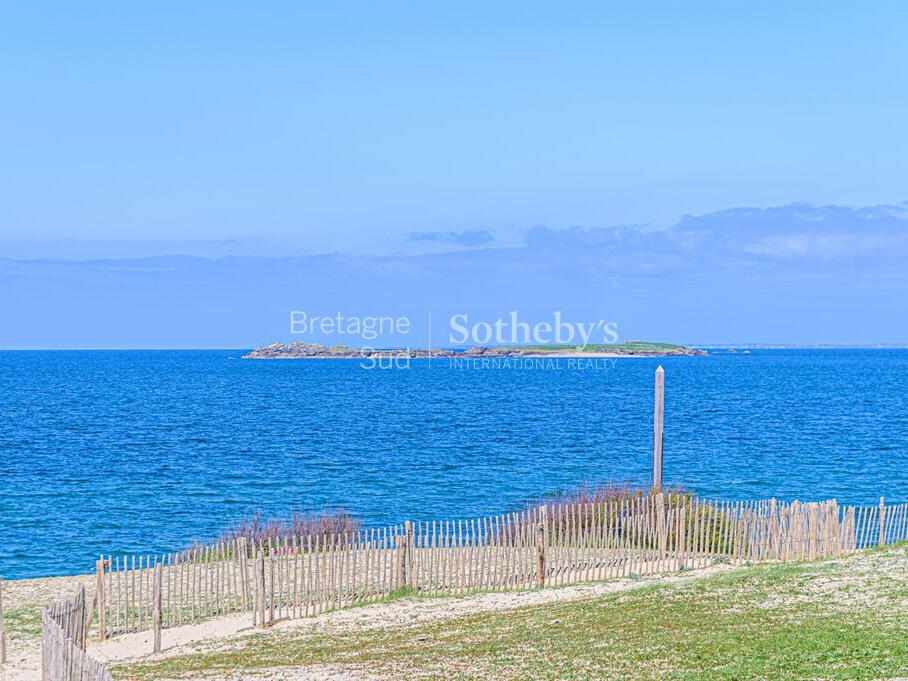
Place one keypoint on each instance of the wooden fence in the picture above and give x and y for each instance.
(539, 547)
(64, 629)
(545, 546)
(880, 525)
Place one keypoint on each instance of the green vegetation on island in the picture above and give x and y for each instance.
(625, 348)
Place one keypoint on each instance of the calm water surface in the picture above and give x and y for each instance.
(145, 451)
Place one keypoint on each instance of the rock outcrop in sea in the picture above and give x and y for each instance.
(299, 350)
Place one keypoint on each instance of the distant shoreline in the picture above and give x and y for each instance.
(298, 350)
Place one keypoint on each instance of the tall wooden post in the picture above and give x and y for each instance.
(241, 550)
(410, 556)
(100, 567)
(86, 623)
(158, 615)
(812, 532)
(882, 521)
(681, 541)
(400, 544)
(259, 571)
(658, 417)
(852, 530)
(77, 620)
(540, 547)
(271, 571)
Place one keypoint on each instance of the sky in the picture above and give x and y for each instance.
(744, 164)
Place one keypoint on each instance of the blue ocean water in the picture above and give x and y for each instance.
(127, 451)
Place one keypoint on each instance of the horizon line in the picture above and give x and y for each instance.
(704, 346)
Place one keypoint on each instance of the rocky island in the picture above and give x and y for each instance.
(298, 350)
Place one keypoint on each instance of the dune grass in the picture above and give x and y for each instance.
(838, 619)
(257, 528)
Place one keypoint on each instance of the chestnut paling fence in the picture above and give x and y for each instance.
(64, 629)
(550, 545)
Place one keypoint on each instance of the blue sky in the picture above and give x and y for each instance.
(465, 134)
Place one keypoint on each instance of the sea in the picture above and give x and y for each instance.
(148, 451)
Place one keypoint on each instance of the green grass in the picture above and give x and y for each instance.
(398, 594)
(844, 619)
(627, 346)
(22, 622)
